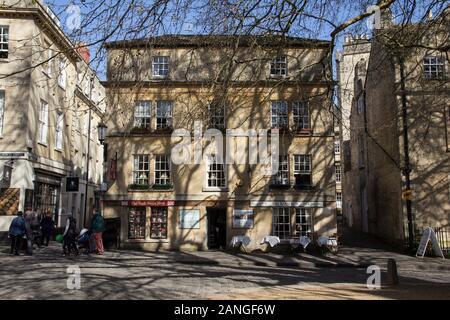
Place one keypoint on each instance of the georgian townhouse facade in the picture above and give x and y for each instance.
(160, 89)
(46, 92)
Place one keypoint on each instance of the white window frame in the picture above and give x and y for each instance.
(433, 67)
(337, 147)
(59, 130)
(305, 223)
(144, 160)
(303, 166)
(301, 115)
(160, 66)
(338, 173)
(168, 179)
(283, 233)
(161, 115)
(281, 178)
(339, 200)
(2, 111)
(279, 67)
(276, 108)
(43, 123)
(217, 115)
(210, 161)
(4, 41)
(143, 114)
(48, 65)
(62, 76)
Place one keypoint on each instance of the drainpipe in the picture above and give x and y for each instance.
(407, 168)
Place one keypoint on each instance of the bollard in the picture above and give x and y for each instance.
(392, 273)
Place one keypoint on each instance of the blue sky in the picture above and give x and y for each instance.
(175, 23)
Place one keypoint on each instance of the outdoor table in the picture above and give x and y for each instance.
(271, 240)
(240, 240)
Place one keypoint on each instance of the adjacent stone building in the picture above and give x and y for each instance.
(160, 85)
(47, 92)
(399, 128)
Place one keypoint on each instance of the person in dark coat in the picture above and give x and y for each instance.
(47, 228)
(70, 234)
(16, 232)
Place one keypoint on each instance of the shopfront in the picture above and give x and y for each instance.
(46, 195)
(204, 225)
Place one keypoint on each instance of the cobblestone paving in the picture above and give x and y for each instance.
(139, 275)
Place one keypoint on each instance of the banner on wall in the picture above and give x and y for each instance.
(243, 219)
(189, 219)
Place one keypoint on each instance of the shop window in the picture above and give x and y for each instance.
(303, 222)
(158, 227)
(136, 223)
(281, 223)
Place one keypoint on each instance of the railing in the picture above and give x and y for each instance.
(442, 235)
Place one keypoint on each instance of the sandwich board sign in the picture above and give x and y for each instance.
(428, 235)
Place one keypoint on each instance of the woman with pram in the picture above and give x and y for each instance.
(70, 236)
(86, 241)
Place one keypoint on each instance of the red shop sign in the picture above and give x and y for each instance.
(148, 203)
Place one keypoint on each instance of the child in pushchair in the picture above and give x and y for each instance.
(84, 241)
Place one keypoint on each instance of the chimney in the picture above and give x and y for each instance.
(84, 51)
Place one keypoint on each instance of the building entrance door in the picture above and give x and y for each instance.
(217, 228)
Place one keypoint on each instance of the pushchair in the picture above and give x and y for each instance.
(85, 241)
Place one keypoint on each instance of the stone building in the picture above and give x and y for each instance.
(400, 132)
(46, 92)
(355, 50)
(160, 85)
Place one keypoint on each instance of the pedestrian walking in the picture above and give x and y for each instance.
(47, 228)
(97, 228)
(17, 231)
(70, 232)
(29, 232)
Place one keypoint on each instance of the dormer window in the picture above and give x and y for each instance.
(160, 66)
(278, 67)
(433, 67)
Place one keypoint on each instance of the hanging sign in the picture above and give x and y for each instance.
(428, 235)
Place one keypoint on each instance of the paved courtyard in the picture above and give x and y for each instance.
(216, 275)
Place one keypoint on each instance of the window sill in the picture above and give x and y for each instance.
(46, 74)
(62, 87)
(153, 77)
(279, 186)
(303, 188)
(4, 60)
(58, 150)
(43, 144)
(209, 189)
(278, 77)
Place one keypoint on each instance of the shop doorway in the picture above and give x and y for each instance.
(217, 228)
